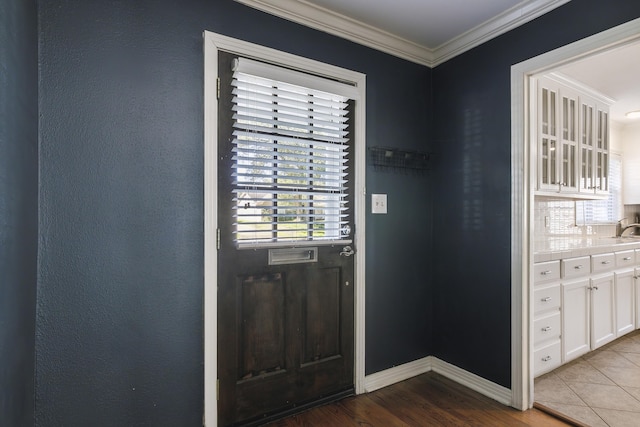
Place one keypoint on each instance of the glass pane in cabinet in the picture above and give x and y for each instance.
(572, 120)
(599, 135)
(545, 161)
(603, 130)
(566, 169)
(552, 162)
(585, 165)
(565, 118)
(572, 176)
(605, 137)
(603, 174)
(587, 125)
(590, 168)
(552, 113)
(545, 111)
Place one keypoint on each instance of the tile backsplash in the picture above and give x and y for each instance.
(556, 218)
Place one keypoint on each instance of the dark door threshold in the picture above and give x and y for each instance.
(296, 409)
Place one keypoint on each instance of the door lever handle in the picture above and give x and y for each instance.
(347, 251)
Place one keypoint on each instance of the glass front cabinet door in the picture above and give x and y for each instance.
(571, 134)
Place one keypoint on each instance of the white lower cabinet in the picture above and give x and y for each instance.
(592, 299)
(576, 318)
(625, 303)
(588, 315)
(603, 316)
(547, 347)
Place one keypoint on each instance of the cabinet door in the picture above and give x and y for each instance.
(603, 326)
(568, 140)
(575, 318)
(602, 151)
(547, 136)
(587, 146)
(624, 302)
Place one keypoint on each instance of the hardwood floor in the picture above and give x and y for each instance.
(425, 400)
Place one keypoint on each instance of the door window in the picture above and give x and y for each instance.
(290, 156)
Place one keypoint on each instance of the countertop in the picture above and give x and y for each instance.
(568, 247)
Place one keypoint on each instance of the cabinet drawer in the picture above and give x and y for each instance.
(602, 262)
(576, 267)
(546, 328)
(546, 298)
(625, 259)
(546, 271)
(546, 358)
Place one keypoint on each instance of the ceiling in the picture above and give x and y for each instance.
(614, 73)
(430, 32)
(430, 23)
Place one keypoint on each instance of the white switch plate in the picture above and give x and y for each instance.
(379, 203)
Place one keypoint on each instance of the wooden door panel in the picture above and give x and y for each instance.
(262, 316)
(321, 315)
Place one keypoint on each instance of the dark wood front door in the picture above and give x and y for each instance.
(285, 331)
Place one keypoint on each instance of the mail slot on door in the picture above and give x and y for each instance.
(293, 255)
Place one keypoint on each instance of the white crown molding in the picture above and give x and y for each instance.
(319, 18)
(512, 18)
(325, 20)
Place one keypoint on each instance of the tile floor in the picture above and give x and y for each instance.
(601, 388)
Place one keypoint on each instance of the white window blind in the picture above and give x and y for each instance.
(607, 211)
(290, 156)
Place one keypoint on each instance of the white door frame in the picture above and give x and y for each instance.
(523, 160)
(212, 44)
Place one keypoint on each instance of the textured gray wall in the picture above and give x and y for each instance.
(472, 297)
(18, 209)
(120, 293)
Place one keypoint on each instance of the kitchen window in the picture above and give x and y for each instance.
(609, 210)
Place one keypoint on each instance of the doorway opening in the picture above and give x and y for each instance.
(523, 184)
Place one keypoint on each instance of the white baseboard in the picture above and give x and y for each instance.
(473, 381)
(396, 374)
(408, 370)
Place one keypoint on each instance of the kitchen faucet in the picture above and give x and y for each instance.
(620, 229)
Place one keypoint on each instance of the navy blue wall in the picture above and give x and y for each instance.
(18, 209)
(472, 123)
(120, 291)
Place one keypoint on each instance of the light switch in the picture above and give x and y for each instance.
(379, 203)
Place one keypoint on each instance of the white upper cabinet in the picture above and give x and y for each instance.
(570, 128)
